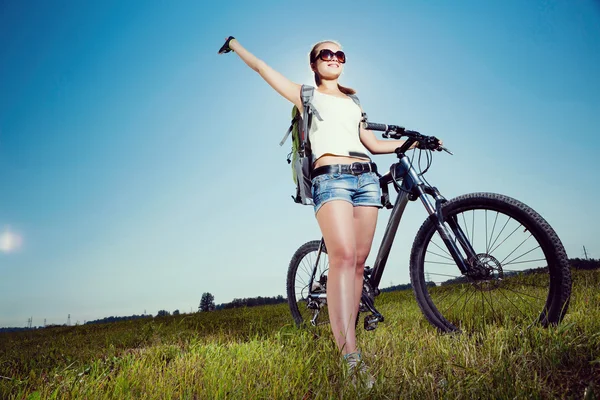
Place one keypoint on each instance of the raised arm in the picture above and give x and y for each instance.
(280, 83)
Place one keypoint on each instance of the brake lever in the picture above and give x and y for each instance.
(446, 150)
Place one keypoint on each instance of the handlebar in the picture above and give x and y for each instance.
(398, 132)
(372, 126)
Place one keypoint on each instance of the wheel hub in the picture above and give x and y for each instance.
(487, 272)
(318, 286)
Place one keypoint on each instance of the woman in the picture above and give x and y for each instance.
(346, 198)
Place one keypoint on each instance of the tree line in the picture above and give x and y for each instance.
(584, 263)
(207, 302)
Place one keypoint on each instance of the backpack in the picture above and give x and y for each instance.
(300, 157)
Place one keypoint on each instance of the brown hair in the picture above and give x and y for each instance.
(313, 58)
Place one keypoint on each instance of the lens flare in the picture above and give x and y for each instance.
(10, 241)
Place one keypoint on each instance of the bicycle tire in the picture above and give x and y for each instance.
(299, 271)
(539, 294)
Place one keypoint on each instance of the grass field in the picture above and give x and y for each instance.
(257, 353)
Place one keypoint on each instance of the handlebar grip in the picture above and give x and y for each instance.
(376, 127)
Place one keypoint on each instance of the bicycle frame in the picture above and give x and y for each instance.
(411, 188)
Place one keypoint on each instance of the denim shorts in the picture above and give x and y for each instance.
(358, 190)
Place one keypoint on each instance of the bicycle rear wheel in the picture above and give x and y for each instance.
(523, 277)
(302, 265)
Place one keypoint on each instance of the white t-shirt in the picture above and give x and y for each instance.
(338, 133)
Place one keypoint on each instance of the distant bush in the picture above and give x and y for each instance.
(115, 319)
(251, 302)
(581, 263)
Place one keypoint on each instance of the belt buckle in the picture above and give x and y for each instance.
(356, 171)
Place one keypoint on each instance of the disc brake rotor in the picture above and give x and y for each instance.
(489, 274)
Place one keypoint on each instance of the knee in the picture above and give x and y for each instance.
(361, 258)
(345, 257)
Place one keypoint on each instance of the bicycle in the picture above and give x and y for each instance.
(458, 283)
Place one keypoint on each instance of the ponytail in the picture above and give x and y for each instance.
(346, 90)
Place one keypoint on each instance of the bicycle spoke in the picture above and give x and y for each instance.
(528, 304)
(491, 305)
(482, 307)
(487, 248)
(522, 293)
(516, 248)
(473, 291)
(513, 304)
(514, 259)
(446, 294)
(506, 238)
(441, 263)
(521, 262)
(303, 278)
(498, 237)
(307, 271)
(303, 282)
(439, 255)
(441, 248)
(473, 229)
(486, 231)
(545, 287)
(450, 276)
(307, 267)
(466, 230)
(455, 301)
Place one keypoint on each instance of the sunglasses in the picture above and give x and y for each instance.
(327, 55)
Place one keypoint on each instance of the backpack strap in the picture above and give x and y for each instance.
(306, 95)
(296, 117)
(355, 99)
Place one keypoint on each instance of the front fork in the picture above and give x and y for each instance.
(414, 185)
(446, 234)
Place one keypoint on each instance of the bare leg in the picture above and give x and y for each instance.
(336, 220)
(365, 221)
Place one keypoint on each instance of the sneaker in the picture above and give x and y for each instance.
(358, 371)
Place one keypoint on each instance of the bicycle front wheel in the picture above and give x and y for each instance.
(523, 273)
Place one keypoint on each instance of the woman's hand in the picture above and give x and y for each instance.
(430, 143)
(226, 47)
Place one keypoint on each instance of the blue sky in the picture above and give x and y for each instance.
(138, 169)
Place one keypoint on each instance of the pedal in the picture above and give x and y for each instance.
(371, 322)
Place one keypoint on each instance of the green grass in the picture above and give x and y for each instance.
(257, 353)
